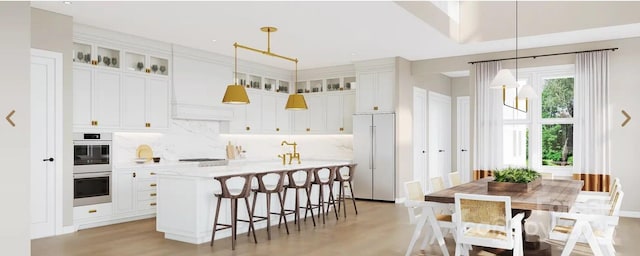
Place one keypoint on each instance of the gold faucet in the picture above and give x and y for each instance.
(294, 155)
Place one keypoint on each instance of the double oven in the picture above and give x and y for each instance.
(92, 168)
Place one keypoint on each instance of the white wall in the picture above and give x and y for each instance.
(624, 90)
(15, 22)
(404, 125)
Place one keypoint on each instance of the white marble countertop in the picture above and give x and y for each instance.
(238, 167)
(150, 164)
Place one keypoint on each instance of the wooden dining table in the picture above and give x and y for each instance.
(553, 195)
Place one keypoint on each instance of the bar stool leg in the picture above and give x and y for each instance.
(309, 205)
(215, 220)
(332, 200)
(255, 196)
(321, 202)
(282, 214)
(353, 198)
(251, 227)
(268, 195)
(297, 210)
(234, 212)
(341, 199)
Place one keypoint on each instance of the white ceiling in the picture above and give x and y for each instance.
(319, 34)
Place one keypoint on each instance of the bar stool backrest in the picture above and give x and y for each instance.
(228, 189)
(305, 176)
(270, 187)
(340, 172)
(324, 175)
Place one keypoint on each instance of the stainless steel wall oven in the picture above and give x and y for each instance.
(91, 168)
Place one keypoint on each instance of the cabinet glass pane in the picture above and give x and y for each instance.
(108, 57)
(254, 82)
(242, 79)
(81, 53)
(301, 87)
(159, 66)
(283, 86)
(269, 84)
(135, 62)
(333, 84)
(316, 85)
(349, 83)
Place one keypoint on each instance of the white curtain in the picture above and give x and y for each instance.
(487, 153)
(591, 136)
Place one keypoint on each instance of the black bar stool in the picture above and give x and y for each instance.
(233, 194)
(269, 188)
(343, 178)
(328, 176)
(297, 183)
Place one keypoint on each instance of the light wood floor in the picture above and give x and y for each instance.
(378, 229)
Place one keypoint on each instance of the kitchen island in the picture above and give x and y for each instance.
(186, 201)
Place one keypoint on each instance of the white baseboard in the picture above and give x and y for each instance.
(630, 214)
(68, 229)
(113, 221)
(400, 200)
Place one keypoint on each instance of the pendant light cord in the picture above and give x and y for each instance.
(235, 64)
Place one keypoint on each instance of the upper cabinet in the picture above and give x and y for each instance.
(376, 87)
(96, 97)
(118, 89)
(340, 110)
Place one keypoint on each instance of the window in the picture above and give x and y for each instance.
(542, 138)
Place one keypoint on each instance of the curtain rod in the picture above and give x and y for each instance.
(543, 55)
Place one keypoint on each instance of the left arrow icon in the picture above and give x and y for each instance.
(9, 118)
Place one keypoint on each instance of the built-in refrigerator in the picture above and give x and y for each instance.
(374, 152)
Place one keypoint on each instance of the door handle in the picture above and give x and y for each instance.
(50, 159)
(440, 150)
(424, 151)
(464, 150)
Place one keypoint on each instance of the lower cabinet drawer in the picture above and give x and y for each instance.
(147, 195)
(148, 204)
(149, 184)
(92, 211)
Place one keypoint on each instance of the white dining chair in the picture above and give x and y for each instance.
(454, 179)
(437, 184)
(422, 213)
(585, 196)
(592, 226)
(486, 220)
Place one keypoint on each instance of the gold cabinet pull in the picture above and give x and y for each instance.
(147, 125)
(277, 129)
(153, 194)
(375, 108)
(93, 211)
(147, 70)
(153, 185)
(152, 204)
(308, 129)
(248, 128)
(342, 129)
(96, 123)
(152, 173)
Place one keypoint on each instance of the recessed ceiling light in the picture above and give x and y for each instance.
(67, 2)
(214, 40)
(353, 54)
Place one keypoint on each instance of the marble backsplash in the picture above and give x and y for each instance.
(202, 139)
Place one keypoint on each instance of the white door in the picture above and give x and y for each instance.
(282, 115)
(463, 140)
(348, 108)
(46, 76)
(420, 136)
(439, 136)
(254, 112)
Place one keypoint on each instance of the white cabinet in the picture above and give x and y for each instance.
(96, 97)
(145, 102)
(283, 116)
(264, 115)
(268, 113)
(314, 119)
(375, 93)
(340, 108)
(135, 192)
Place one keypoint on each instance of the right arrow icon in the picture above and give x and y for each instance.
(628, 118)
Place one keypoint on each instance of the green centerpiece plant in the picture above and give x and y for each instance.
(515, 175)
(514, 180)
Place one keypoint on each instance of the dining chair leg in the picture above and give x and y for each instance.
(353, 198)
(215, 221)
(234, 215)
(282, 215)
(416, 234)
(251, 227)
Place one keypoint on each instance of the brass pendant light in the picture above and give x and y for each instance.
(296, 101)
(235, 94)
